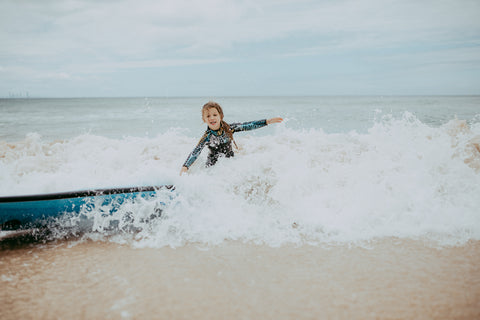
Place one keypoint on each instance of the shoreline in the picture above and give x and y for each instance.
(393, 279)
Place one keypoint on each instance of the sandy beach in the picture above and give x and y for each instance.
(389, 279)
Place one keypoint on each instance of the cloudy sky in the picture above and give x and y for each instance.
(82, 48)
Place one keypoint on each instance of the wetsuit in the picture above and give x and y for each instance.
(219, 143)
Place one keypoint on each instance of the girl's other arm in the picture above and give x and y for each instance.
(195, 153)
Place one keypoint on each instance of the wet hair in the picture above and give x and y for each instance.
(223, 125)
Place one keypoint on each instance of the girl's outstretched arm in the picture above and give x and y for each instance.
(274, 120)
(251, 125)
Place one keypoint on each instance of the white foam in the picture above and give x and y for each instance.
(401, 179)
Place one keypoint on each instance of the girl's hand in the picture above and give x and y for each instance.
(184, 170)
(274, 120)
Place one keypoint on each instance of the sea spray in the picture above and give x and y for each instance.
(402, 178)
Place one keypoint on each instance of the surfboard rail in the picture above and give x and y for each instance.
(25, 210)
(81, 193)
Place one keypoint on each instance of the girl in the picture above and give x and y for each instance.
(219, 135)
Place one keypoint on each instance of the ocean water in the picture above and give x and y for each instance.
(337, 170)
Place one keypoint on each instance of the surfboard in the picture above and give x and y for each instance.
(27, 210)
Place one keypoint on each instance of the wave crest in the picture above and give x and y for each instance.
(402, 179)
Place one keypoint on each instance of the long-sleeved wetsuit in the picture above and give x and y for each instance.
(219, 143)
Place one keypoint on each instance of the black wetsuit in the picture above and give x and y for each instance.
(219, 143)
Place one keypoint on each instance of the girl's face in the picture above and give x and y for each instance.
(212, 118)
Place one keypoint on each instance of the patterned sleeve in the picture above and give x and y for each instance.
(246, 126)
(196, 152)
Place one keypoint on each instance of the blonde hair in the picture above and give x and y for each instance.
(223, 125)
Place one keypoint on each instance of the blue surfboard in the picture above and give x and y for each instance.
(28, 210)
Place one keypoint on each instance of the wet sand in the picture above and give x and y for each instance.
(392, 279)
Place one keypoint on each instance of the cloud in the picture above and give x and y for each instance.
(36, 74)
(167, 29)
(56, 39)
(143, 64)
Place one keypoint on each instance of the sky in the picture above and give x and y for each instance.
(119, 48)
